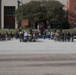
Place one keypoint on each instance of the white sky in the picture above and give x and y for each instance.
(62, 1)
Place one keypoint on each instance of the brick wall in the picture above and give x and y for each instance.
(72, 13)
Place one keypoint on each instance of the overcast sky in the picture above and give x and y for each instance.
(63, 1)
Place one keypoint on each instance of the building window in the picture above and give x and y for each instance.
(9, 10)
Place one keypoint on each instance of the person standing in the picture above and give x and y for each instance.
(72, 37)
(25, 37)
(44, 34)
(21, 36)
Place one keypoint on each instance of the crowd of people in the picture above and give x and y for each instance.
(31, 36)
(60, 35)
(6, 36)
(23, 36)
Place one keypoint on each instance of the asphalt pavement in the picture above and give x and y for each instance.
(43, 57)
(41, 46)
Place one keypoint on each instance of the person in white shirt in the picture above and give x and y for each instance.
(25, 36)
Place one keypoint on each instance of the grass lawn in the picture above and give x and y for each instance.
(27, 30)
(8, 30)
(70, 30)
(12, 30)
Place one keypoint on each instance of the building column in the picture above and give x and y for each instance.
(2, 15)
(16, 24)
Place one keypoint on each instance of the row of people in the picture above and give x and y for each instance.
(32, 36)
(6, 36)
(64, 36)
(60, 36)
(9, 36)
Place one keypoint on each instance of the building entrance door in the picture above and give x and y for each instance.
(9, 19)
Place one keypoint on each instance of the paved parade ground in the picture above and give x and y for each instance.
(44, 57)
(41, 46)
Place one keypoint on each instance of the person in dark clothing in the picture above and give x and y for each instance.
(30, 30)
(3, 36)
(49, 34)
(44, 34)
(68, 36)
(62, 36)
(65, 36)
(21, 36)
(20, 29)
(72, 37)
(55, 30)
(17, 35)
(11, 35)
(8, 36)
(0, 37)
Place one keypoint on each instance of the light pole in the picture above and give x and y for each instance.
(21, 9)
(20, 3)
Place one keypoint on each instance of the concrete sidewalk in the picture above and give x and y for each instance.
(41, 46)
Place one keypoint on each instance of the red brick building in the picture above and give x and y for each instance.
(72, 13)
